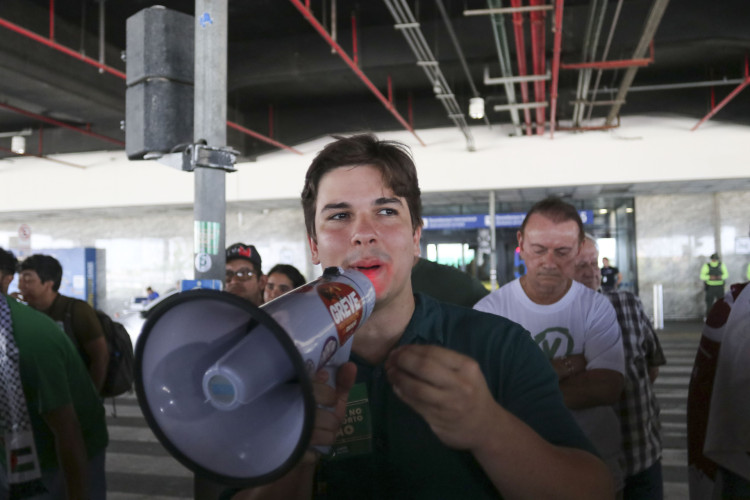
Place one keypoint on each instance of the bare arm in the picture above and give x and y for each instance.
(98, 354)
(591, 388)
(71, 450)
(567, 366)
(298, 482)
(449, 391)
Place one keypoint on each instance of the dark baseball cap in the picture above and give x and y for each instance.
(714, 256)
(247, 252)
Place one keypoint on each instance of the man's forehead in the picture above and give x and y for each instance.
(240, 264)
(589, 251)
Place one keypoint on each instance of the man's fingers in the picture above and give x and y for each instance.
(431, 364)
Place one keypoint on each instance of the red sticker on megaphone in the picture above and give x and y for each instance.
(345, 306)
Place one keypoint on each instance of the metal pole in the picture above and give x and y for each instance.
(493, 249)
(101, 35)
(210, 117)
(658, 306)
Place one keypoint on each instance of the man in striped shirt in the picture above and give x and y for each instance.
(637, 408)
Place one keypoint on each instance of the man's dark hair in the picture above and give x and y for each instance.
(290, 272)
(8, 262)
(45, 266)
(557, 211)
(393, 159)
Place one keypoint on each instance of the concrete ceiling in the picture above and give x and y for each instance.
(278, 64)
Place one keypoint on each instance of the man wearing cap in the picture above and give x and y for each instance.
(244, 276)
(713, 275)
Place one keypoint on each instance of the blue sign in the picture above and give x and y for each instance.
(476, 221)
(186, 285)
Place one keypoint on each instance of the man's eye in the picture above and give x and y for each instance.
(388, 211)
(339, 216)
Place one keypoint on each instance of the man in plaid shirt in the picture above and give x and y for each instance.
(637, 408)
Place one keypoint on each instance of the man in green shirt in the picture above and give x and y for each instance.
(66, 415)
(462, 404)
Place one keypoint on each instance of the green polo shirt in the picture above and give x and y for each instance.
(53, 375)
(405, 458)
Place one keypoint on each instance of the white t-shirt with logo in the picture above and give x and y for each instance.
(582, 322)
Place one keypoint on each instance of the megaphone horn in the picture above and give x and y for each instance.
(226, 386)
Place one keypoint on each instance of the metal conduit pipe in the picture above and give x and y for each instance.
(584, 56)
(649, 30)
(679, 86)
(102, 12)
(521, 58)
(459, 51)
(503, 54)
(410, 28)
(594, 46)
(605, 54)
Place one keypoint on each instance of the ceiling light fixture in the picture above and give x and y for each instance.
(18, 144)
(476, 108)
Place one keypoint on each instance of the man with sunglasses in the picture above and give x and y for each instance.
(244, 276)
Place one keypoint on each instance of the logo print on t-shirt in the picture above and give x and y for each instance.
(555, 342)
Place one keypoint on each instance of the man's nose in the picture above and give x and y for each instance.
(364, 231)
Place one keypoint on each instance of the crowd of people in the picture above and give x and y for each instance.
(540, 389)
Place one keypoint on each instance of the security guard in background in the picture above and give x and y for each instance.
(714, 274)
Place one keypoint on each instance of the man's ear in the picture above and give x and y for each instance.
(417, 237)
(313, 249)
(48, 285)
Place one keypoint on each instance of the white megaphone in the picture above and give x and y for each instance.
(226, 386)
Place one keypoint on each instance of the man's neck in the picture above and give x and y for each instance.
(383, 329)
(544, 297)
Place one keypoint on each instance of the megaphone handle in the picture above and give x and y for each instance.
(332, 367)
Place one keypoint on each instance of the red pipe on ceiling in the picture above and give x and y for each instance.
(728, 98)
(537, 52)
(61, 48)
(57, 123)
(616, 64)
(30, 34)
(521, 58)
(261, 137)
(321, 30)
(556, 65)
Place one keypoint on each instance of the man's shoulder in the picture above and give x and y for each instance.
(25, 314)
(444, 315)
(498, 298)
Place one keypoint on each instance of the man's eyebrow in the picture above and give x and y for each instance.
(388, 201)
(335, 206)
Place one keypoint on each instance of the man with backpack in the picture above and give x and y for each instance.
(39, 282)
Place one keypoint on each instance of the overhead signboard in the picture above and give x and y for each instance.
(476, 221)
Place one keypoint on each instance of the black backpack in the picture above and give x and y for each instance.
(119, 379)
